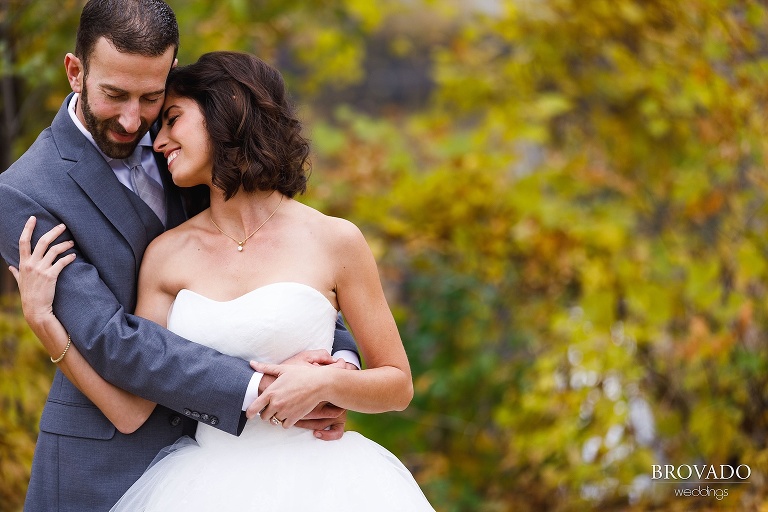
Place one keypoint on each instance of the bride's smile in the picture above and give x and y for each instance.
(183, 141)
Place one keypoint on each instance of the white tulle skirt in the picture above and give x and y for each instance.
(274, 469)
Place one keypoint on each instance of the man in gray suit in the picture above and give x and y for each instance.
(82, 172)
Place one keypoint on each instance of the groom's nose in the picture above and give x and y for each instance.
(130, 116)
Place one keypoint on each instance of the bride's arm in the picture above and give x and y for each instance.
(37, 275)
(385, 384)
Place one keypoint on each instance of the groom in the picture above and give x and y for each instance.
(77, 173)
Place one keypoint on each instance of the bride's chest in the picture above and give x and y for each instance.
(269, 324)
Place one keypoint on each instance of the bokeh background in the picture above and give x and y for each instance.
(567, 200)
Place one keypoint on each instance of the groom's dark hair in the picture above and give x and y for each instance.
(141, 27)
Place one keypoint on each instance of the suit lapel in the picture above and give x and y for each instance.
(100, 184)
(98, 181)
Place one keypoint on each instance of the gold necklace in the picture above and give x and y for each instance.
(241, 243)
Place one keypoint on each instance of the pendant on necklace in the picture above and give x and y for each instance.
(240, 247)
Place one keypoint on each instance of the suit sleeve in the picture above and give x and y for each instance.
(342, 338)
(131, 352)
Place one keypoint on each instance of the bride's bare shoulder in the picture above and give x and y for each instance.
(340, 236)
(333, 229)
(171, 245)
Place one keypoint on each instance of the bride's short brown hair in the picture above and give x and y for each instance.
(254, 132)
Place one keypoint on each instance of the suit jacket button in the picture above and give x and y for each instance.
(204, 417)
(174, 420)
(187, 412)
(214, 420)
(195, 414)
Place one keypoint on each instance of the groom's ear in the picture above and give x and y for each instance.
(75, 72)
(175, 63)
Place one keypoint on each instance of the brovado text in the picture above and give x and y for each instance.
(724, 472)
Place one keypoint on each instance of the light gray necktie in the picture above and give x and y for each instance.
(147, 189)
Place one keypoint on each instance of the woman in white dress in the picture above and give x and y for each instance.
(261, 276)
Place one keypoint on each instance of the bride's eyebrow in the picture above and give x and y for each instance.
(165, 112)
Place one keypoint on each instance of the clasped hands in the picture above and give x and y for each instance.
(291, 392)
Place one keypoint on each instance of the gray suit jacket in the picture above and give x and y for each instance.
(81, 462)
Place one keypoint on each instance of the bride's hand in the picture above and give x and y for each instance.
(307, 358)
(293, 395)
(326, 420)
(39, 270)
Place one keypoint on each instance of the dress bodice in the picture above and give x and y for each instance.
(268, 324)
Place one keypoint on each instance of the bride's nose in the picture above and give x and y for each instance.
(161, 140)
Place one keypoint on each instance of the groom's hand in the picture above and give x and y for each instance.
(326, 428)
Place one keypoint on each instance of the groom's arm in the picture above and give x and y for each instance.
(131, 352)
(344, 346)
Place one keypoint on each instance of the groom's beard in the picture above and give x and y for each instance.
(100, 128)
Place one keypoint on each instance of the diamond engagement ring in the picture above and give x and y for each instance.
(276, 421)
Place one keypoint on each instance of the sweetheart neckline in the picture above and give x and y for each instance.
(257, 289)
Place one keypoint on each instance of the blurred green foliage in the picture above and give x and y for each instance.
(570, 229)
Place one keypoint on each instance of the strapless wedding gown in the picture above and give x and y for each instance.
(267, 467)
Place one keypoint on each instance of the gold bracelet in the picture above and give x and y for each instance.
(58, 360)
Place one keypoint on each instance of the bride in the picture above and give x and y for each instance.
(260, 276)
